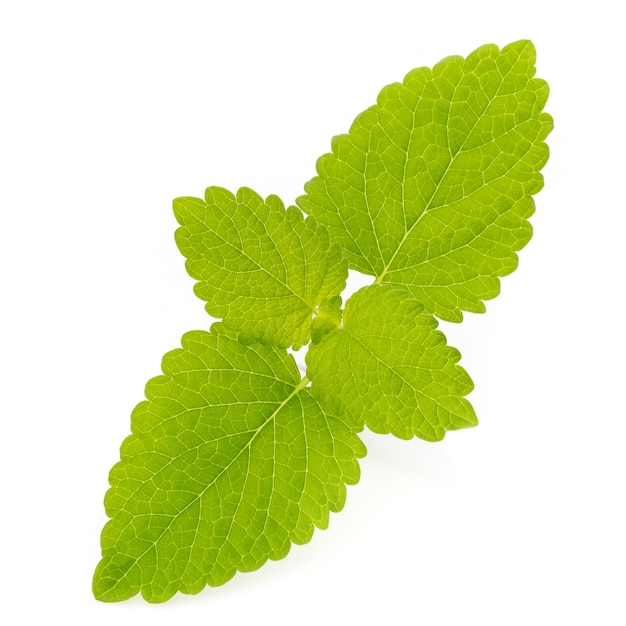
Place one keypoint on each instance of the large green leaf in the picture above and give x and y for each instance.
(431, 188)
(230, 461)
(389, 368)
(262, 269)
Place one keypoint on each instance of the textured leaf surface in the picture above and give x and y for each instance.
(389, 368)
(231, 459)
(431, 189)
(262, 269)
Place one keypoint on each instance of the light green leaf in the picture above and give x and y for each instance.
(431, 189)
(262, 269)
(388, 368)
(230, 461)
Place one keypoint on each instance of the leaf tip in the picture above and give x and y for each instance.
(107, 587)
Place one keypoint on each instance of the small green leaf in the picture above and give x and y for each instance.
(431, 188)
(262, 269)
(230, 461)
(390, 369)
(328, 318)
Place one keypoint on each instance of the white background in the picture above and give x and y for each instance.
(109, 110)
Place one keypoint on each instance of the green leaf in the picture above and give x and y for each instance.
(431, 189)
(262, 269)
(390, 369)
(230, 461)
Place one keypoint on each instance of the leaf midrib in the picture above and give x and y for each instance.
(426, 209)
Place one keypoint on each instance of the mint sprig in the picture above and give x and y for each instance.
(234, 455)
